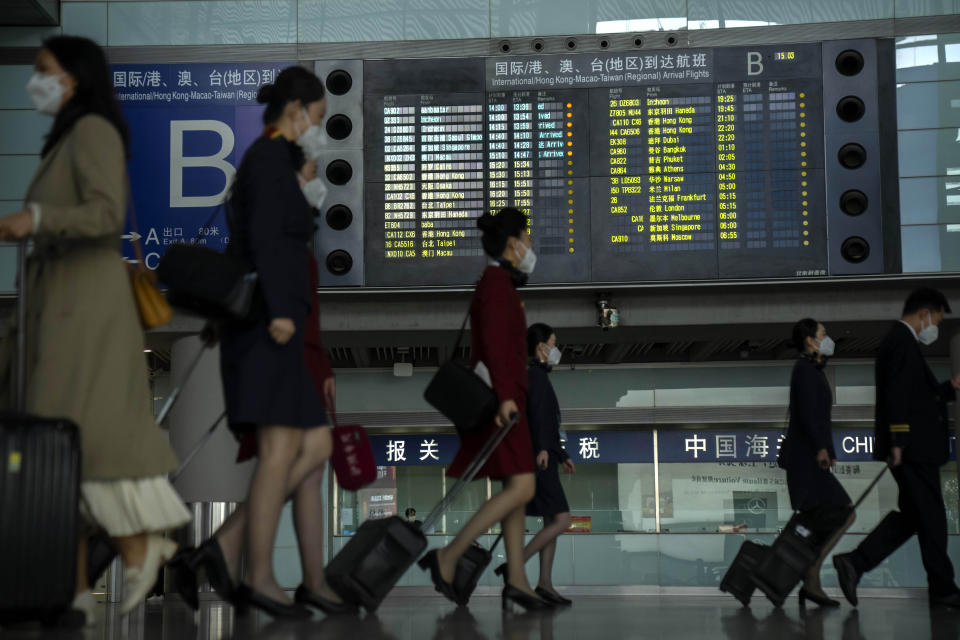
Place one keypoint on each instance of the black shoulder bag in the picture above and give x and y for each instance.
(460, 394)
(214, 284)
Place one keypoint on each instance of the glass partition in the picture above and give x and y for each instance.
(710, 481)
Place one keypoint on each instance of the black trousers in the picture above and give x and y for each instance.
(921, 513)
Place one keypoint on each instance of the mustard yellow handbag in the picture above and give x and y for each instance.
(153, 307)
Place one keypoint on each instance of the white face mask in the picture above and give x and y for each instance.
(827, 346)
(46, 92)
(313, 141)
(315, 192)
(928, 334)
(553, 359)
(527, 262)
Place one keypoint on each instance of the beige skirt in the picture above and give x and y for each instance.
(129, 507)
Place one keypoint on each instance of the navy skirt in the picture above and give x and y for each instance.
(550, 498)
(267, 384)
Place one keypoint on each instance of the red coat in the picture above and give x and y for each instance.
(316, 356)
(499, 337)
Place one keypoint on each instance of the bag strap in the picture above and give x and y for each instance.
(134, 227)
(463, 325)
(463, 329)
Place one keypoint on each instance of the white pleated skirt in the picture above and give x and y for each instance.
(129, 507)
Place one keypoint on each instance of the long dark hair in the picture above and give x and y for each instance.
(498, 228)
(293, 83)
(85, 61)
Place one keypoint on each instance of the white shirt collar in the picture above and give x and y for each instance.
(492, 263)
(912, 330)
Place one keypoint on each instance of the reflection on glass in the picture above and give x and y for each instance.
(695, 497)
(729, 24)
(641, 24)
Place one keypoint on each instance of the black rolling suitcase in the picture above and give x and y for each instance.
(791, 556)
(39, 493)
(799, 545)
(381, 551)
(470, 567)
(738, 581)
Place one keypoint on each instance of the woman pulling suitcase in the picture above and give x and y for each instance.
(549, 502)
(273, 401)
(808, 454)
(498, 331)
(84, 339)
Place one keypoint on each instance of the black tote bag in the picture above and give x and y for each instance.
(460, 394)
(213, 284)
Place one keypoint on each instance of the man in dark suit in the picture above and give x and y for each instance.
(911, 434)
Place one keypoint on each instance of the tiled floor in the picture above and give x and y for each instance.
(418, 618)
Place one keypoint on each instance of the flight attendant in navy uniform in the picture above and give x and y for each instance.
(912, 435)
(808, 454)
(498, 334)
(549, 502)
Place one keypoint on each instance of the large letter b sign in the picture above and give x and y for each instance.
(178, 162)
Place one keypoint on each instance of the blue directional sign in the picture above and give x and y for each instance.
(190, 125)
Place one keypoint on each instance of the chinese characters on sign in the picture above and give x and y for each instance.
(739, 447)
(221, 83)
(743, 445)
(589, 448)
(592, 70)
(440, 449)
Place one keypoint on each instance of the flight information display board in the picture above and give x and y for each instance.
(663, 165)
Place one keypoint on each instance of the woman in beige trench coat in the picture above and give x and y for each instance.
(85, 347)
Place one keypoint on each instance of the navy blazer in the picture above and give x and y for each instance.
(271, 224)
(811, 402)
(543, 413)
(911, 402)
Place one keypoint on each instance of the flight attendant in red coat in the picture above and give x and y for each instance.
(499, 330)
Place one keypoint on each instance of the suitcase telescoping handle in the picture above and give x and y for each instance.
(470, 473)
(196, 448)
(21, 399)
(209, 337)
(867, 491)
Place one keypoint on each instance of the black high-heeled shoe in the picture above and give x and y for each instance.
(555, 599)
(306, 596)
(185, 576)
(430, 562)
(210, 556)
(513, 596)
(820, 600)
(502, 572)
(268, 605)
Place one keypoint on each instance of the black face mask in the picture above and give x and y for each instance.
(519, 278)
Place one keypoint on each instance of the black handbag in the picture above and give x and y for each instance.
(460, 394)
(210, 283)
